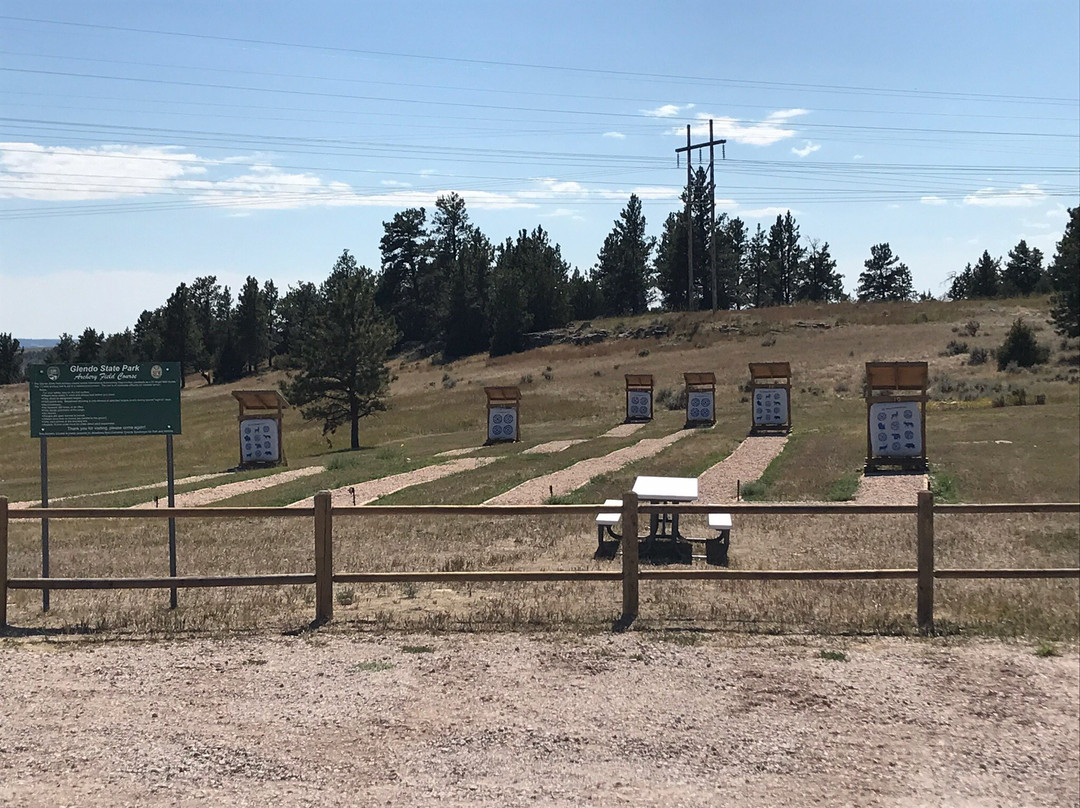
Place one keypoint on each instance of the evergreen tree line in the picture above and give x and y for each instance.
(445, 286)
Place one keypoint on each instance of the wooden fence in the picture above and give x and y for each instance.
(324, 577)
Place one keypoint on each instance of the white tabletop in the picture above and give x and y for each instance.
(666, 489)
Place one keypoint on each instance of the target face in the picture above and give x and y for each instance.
(259, 439)
(771, 407)
(699, 406)
(896, 429)
(502, 423)
(639, 405)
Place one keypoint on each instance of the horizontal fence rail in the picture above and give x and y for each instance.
(324, 577)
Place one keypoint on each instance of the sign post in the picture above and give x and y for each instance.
(81, 400)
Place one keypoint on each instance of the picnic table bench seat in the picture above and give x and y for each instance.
(716, 547)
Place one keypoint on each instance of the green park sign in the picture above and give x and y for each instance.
(94, 400)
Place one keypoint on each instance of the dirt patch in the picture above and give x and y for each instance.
(552, 447)
(648, 718)
(622, 430)
(890, 489)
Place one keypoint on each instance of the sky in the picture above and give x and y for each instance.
(146, 144)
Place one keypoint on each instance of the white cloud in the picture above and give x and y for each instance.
(1026, 196)
(396, 184)
(666, 111)
(765, 132)
(53, 173)
(766, 213)
(933, 200)
(807, 149)
(857, 157)
(615, 135)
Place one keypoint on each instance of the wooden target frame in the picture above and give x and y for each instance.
(639, 398)
(700, 386)
(503, 414)
(256, 408)
(770, 397)
(896, 396)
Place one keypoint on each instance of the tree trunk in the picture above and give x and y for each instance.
(354, 419)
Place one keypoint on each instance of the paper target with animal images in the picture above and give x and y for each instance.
(638, 405)
(771, 406)
(502, 423)
(699, 406)
(259, 440)
(896, 429)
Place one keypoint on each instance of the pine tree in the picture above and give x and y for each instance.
(252, 325)
(88, 347)
(785, 260)
(343, 374)
(622, 268)
(755, 288)
(508, 311)
(818, 279)
(1023, 271)
(885, 277)
(1065, 279)
(63, 352)
(11, 357)
(466, 325)
(985, 277)
(407, 287)
(731, 245)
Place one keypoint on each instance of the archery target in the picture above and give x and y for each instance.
(896, 429)
(770, 406)
(502, 423)
(699, 406)
(259, 440)
(638, 405)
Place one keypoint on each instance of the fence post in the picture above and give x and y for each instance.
(629, 556)
(3, 561)
(324, 558)
(925, 518)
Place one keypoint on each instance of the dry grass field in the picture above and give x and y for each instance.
(498, 694)
(979, 453)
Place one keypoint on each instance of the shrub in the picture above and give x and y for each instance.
(670, 399)
(1021, 347)
(955, 348)
(978, 356)
(971, 328)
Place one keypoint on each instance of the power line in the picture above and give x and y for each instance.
(837, 88)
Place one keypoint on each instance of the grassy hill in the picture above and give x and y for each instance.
(982, 443)
(987, 439)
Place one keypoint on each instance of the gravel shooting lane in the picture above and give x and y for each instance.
(748, 462)
(643, 718)
(537, 490)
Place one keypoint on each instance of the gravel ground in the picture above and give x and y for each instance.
(373, 489)
(537, 490)
(747, 463)
(890, 489)
(644, 718)
(551, 447)
(204, 496)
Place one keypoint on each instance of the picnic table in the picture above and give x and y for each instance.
(664, 543)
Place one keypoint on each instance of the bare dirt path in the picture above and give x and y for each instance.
(890, 489)
(537, 490)
(371, 490)
(204, 496)
(748, 462)
(198, 478)
(643, 718)
(552, 447)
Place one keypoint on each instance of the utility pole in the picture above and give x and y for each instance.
(688, 148)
